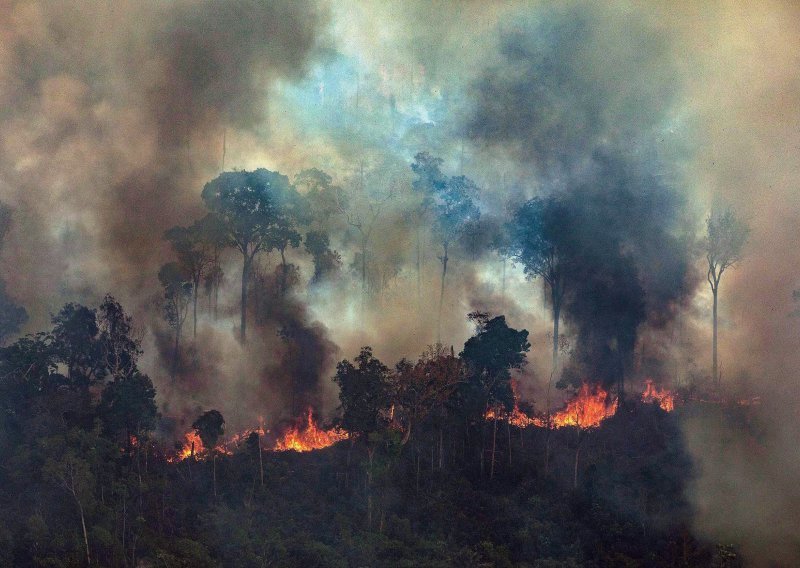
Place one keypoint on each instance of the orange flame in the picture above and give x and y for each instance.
(664, 397)
(587, 409)
(192, 446)
(305, 436)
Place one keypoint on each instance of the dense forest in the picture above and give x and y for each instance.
(425, 477)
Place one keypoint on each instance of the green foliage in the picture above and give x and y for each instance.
(364, 392)
(128, 406)
(489, 356)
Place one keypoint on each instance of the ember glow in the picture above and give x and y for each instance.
(306, 436)
(664, 397)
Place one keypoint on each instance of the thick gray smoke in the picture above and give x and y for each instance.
(584, 111)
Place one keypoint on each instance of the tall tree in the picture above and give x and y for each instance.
(364, 393)
(246, 205)
(537, 239)
(12, 315)
(291, 211)
(726, 235)
(120, 342)
(75, 340)
(362, 211)
(177, 295)
(454, 210)
(489, 357)
(128, 408)
(429, 181)
(195, 247)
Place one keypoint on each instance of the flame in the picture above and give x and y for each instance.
(587, 409)
(192, 446)
(305, 436)
(664, 397)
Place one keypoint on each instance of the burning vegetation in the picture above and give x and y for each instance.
(306, 436)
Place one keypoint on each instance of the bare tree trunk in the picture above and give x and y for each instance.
(176, 350)
(441, 295)
(494, 448)
(419, 270)
(85, 533)
(194, 309)
(283, 271)
(441, 449)
(214, 469)
(715, 367)
(260, 462)
(508, 431)
(575, 476)
(245, 276)
(556, 317)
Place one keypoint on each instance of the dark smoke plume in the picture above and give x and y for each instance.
(580, 128)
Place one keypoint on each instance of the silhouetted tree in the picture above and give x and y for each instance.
(177, 295)
(450, 201)
(75, 340)
(195, 251)
(489, 357)
(364, 393)
(726, 235)
(326, 261)
(245, 203)
(291, 211)
(537, 239)
(128, 408)
(209, 426)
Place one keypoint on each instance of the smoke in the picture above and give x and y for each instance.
(581, 109)
(639, 117)
(114, 116)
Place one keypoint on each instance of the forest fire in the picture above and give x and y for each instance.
(652, 394)
(587, 409)
(192, 446)
(306, 436)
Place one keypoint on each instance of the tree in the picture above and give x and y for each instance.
(325, 200)
(489, 356)
(422, 387)
(195, 249)
(429, 181)
(326, 261)
(291, 211)
(450, 200)
(726, 235)
(177, 294)
(12, 315)
(73, 474)
(245, 203)
(127, 407)
(362, 210)
(119, 342)
(537, 239)
(75, 340)
(209, 426)
(364, 393)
